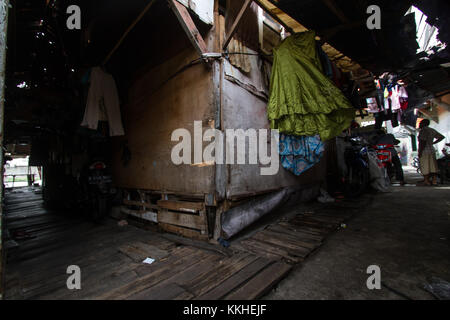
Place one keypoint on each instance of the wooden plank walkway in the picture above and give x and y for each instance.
(295, 239)
(110, 258)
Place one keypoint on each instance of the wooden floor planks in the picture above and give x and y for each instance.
(110, 257)
(294, 240)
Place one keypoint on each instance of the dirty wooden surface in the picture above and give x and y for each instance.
(294, 239)
(43, 244)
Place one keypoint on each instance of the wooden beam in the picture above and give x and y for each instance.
(189, 26)
(181, 205)
(432, 115)
(274, 16)
(236, 22)
(188, 233)
(182, 220)
(132, 25)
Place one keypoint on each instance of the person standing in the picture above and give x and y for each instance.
(427, 154)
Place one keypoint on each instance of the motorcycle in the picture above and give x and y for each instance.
(356, 159)
(384, 155)
(98, 190)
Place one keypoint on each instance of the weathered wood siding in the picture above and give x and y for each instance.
(242, 109)
(154, 110)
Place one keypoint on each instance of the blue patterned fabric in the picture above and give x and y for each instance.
(300, 153)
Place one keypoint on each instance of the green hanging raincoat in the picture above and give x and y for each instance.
(303, 101)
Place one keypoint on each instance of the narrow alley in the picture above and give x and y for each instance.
(406, 233)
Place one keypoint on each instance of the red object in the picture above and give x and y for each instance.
(98, 166)
(384, 155)
(403, 104)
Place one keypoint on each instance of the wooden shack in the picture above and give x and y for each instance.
(200, 79)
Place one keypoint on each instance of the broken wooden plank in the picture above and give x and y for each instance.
(188, 25)
(181, 219)
(236, 280)
(188, 233)
(192, 207)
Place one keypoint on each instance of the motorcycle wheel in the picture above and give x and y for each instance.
(359, 182)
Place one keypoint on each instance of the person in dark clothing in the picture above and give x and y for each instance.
(384, 138)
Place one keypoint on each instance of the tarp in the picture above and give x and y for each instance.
(303, 101)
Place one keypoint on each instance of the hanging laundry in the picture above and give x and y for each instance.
(103, 103)
(372, 105)
(398, 95)
(299, 154)
(303, 101)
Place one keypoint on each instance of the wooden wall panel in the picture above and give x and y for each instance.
(154, 110)
(243, 110)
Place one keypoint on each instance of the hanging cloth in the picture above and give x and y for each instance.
(303, 101)
(299, 154)
(103, 102)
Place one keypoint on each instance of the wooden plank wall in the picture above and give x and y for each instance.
(154, 110)
(242, 109)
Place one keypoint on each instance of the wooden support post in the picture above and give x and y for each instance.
(189, 26)
(236, 22)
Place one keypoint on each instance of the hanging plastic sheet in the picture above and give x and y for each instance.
(238, 218)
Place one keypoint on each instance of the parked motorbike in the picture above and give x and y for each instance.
(384, 156)
(97, 184)
(357, 179)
